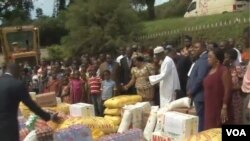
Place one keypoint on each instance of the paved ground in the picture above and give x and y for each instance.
(44, 54)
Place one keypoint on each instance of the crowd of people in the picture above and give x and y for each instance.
(215, 77)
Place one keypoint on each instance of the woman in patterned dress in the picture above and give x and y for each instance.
(237, 75)
(140, 74)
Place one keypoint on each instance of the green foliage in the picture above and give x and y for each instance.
(99, 25)
(55, 52)
(14, 12)
(139, 5)
(39, 12)
(211, 34)
(51, 29)
(173, 8)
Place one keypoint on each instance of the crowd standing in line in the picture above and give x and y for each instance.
(215, 76)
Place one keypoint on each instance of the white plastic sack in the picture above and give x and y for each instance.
(126, 121)
(180, 103)
(151, 123)
(145, 106)
(31, 136)
(160, 119)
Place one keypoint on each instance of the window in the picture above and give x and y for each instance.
(192, 6)
(23, 40)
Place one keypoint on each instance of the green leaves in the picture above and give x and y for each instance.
(100, 25)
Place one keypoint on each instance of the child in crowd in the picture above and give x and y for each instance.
(43, 81)
(54, 84)
(95, 90)
(108, 87)
(65, 95)
(76, 88)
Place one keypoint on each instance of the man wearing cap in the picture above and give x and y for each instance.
(168, 78)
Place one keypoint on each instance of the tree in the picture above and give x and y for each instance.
(173, 8)
(100, 26)
(150, 6)
(51, 29)
(15, 11)
(60, 5)
(39, 12)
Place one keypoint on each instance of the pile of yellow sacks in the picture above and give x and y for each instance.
(94, 123)
(208, 135)
(115, 104)
(60, 108)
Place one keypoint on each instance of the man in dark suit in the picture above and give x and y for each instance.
(183, 65)
(195, 88)
(12, 92)
(126, 65)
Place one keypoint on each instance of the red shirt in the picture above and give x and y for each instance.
(95, 85)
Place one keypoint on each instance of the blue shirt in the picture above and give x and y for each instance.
(107, 89)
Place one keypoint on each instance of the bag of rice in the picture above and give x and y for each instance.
(160, 119)
(208, 135)
(180, 103)
(100, 123)
(113, 112)
(126, 121)
(31, 136)
(122, 100)
(151, 123)
(115, 119)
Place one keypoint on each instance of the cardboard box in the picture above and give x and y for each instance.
(46, 99)
(82, 110)
(179, 126)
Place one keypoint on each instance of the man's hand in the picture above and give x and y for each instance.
(56, 118)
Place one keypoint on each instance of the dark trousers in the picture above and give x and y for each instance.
(96, 100)
(200, 109)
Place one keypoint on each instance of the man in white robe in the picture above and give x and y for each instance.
(168, 78)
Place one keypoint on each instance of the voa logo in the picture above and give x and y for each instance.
(236, 132)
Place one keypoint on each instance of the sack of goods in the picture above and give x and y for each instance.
(113, 112)
(133, 116)
(44, 134)
(100, 123)
(31, 136)
(208, 135)
(115, 119)
(182, 105)
(150, 126)
(59, 108)
(82, 110)
(130, 135)
(74, 133)
(97, 134)
(122, 100)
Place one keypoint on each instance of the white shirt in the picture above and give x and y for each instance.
(118, 59)
(8, 73)
(169, 81)
(239, 58)
(190, 70)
